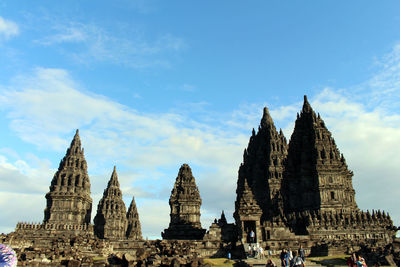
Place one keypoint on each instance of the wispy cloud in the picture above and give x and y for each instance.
(90, 43)
(8, 28)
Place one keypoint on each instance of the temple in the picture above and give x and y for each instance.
(69, 204)
(111, 218)
(288, 194)
(185, 205)
(301, 193)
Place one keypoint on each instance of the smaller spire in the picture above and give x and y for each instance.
(266, 118)
(306, 106)
(114, 178)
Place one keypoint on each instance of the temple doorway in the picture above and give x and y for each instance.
(250, 226)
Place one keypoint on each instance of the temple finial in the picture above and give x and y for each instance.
(306, 105)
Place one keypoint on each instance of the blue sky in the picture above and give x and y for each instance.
(155, 84)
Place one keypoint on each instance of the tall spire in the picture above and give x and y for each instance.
(134, 230)
(313, 156)
(110, 221)
(263, 166)
(70, 184)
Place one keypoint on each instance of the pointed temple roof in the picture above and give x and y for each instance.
(313, 155)
(70, 184)
(110, 220)
(134, 230)
(263, 164)
(185, 187)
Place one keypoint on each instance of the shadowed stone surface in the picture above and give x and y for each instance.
(302, 193)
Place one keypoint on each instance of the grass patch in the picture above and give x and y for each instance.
(219, 262)
(330, 261)
(99, 258)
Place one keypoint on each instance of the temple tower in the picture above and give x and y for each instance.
(110, 221)
(134, 230)
(260, 176)
(69, 201)
(185, 205)
(317, 176)
(247, 214)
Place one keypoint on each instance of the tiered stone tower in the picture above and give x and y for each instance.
(302, 193)
(69, 202)
(261, 175)
(134, 230)
(247, 213)
(110, 221)
(317, 177)
(185, 205)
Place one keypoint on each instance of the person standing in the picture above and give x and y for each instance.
(252, 236)
(302, 253)
(297, 261)
(352, 260)
(361, 262)
(283, 258)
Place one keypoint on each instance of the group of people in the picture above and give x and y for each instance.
(356, 261)
(293, 258)
(256, 251)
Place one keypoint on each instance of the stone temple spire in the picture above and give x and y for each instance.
(263, 167)
(110, 221)
(185, 205)
(69, 201)
(134, 230)
(317, 174)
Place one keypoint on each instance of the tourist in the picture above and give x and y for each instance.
(250, 250)
(290, 254)
(283, 258)
(302, 253)
(252, 236)
(297, 261)
(270, 263)
(352, 260)
(361, 262)
(261, 252)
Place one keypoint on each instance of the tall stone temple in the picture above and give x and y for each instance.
(68, 201)
(110, 220)
(185, 205)
(134, 230)
(301, 192)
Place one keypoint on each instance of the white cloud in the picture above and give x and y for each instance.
(8, 28)
(129, 47)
